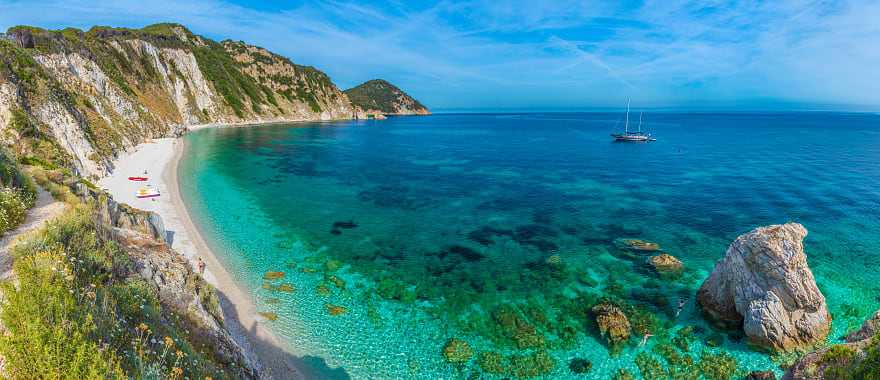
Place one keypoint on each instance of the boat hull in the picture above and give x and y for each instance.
(632, 138)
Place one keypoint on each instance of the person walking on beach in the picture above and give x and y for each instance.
(201, 265)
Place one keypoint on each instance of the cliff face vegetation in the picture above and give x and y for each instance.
(379, 96)
(81, 97)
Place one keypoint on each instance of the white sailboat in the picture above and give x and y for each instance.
(638, 136)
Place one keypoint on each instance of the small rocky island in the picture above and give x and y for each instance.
(764, 286)
(378, 98)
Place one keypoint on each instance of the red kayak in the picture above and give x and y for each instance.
(138, 179)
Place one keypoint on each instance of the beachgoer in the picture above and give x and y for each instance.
(201, 265)
(645, 339)
(681, 302)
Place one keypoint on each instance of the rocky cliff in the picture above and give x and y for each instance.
(78, 98)
(764, 286)
(378, 97)
(142, 236)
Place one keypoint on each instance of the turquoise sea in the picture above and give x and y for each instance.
(502, 230)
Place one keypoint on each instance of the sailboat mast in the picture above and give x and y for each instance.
(626, 126)
(640, 122)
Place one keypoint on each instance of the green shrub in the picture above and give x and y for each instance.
(869, 367)
(17, 193)
(14, 204)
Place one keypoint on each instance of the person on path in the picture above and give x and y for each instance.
(201, 265)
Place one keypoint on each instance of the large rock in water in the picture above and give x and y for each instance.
(764, 285)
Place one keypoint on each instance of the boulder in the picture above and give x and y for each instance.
(764, 286)
(613, 323)
(666, 264)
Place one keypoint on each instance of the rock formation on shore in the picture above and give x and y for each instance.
(764, 286)
(378, 97)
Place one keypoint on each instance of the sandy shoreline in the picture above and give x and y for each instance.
(159, 159)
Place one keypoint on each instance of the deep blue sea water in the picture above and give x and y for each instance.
(501, 230)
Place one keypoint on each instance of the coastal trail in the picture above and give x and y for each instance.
(45, 209)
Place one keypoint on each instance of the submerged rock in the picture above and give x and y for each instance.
(273, 275)
(335, 309)
(640, 245)
(457, 351)
(349, 224)
(613, 323)
(268, 315)
(322, 290)
(517, 328)
(554, 260)
(666, 264)
(492, 362)
(764, 286)
(336, 281)
(578, 365)
(539, 363)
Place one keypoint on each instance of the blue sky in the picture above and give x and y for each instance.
(540, 54)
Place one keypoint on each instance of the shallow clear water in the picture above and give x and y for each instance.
(450, 225)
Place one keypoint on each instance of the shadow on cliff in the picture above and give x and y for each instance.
(277, 363)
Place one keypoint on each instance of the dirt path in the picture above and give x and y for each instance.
(46, 208)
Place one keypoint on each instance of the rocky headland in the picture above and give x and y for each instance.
(378, 97)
